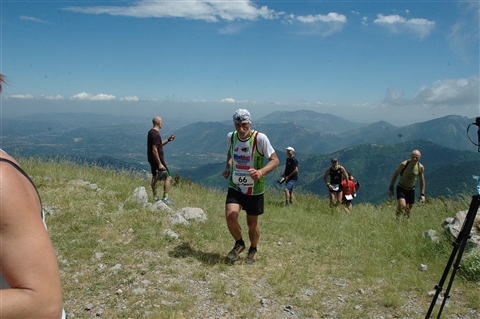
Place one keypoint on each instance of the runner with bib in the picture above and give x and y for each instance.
(245, 168)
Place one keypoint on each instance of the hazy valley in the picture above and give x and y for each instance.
(370, 151)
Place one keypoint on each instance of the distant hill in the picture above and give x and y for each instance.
(311, 120)
(373, 165)
(451, 131)
(371, 151)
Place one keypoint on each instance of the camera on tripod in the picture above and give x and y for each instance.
(477, 123)
(459, 245)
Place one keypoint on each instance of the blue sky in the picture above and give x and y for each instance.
(398, 61)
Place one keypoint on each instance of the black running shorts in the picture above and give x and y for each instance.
(408, 195)
(252, 204)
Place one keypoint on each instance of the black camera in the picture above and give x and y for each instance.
(477, 123)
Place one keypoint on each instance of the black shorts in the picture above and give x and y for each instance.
(252, 204)
(408, 195)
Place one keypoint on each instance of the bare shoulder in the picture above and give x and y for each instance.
(7, 157)
(18, 196)
(403, 164)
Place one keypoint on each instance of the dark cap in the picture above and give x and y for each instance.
(334, 159)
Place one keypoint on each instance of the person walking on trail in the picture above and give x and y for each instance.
(245, 170)
(348, 193)
(30, 285)
(291, 175)
(337, 174)
(156, 159)
(409, 171)
(356, 182)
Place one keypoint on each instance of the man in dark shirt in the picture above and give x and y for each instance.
(291, 175)
(156, 159)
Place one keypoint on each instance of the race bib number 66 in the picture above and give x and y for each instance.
(242, 179)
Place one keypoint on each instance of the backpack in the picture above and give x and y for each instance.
(403, 170)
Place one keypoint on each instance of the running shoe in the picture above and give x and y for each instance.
(168, 202)
(155, 198)
(235, 252)
(251, 257)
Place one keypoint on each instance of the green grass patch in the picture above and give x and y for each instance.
(319, 261)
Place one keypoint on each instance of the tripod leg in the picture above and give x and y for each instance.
(458, 247)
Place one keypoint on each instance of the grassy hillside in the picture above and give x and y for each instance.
(314, 262)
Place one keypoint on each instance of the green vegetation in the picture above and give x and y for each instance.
(313, 261)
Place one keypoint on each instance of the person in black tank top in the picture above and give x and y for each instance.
(337, 174)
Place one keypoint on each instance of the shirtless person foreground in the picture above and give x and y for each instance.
(30, 284)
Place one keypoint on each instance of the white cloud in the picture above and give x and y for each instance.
(54, 97)
(364, 105)
(20, 96)
(395, 98)
(323, 25)
(365, 20)
(211, 11)
(398, 24)
(450, 93)
(88, 96)
(34, 19)
(232, 28)
(446, 93)
(130, 98)
(319, 103)
(232, 100)
(331, 17)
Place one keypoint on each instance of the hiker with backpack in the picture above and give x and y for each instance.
(409, 171)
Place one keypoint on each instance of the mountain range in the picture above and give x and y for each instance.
(371, 151)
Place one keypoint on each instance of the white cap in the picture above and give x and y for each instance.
(242, 116)
(290, 149)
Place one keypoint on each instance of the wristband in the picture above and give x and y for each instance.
(422, 194)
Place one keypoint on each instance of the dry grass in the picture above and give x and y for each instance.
(314, 262)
